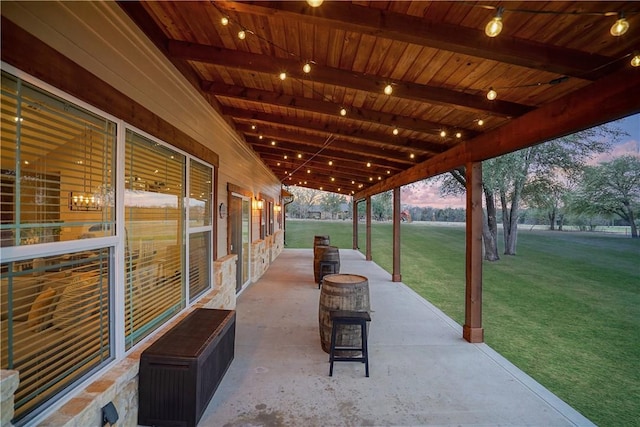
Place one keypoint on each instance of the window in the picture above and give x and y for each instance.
(59, 235)
(57, 174)
(154, 224)
(200, 220)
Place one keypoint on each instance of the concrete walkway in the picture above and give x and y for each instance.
(422, 371)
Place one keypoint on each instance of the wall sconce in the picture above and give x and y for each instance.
(84, 202)
(257, 204)
(277, 208)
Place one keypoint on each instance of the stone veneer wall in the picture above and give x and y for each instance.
(264, 252)
(119, 384)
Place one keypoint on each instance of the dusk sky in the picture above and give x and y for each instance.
(428, 195)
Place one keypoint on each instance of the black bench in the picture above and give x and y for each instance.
(181, 371)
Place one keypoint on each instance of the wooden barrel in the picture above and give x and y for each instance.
(324, 253)
(342, 292)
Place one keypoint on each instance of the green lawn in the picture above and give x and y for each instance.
(566, 309)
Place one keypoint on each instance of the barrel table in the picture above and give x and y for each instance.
(348, 292)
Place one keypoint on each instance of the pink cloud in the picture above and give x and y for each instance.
(425, 194)
(628, 148)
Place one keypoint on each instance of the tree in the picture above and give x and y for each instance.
(304, 198)
(550, 196)
(505, 178)
(381, 206)
(331, 202)
(611, 188)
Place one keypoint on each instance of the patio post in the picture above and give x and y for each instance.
(396, 276)
(472, 330)
(355, 223)
(368, 254)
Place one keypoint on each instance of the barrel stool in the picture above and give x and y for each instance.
(342, 317)
(327, 267)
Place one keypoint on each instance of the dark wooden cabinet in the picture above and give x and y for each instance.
(181, 371)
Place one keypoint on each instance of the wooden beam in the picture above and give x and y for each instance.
(329, 108)
(472, 330)
(434, 34)
(601, 102)
(270, 133)
(335, 152)
(337, 77)
(355, 133)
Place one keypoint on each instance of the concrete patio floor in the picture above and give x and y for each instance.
(422, 372)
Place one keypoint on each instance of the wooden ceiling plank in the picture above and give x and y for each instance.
(357, 135)
(420, 31)
(270, 65)
(328, 108)
(318, 141)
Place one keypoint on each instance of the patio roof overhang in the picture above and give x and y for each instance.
(556, 67)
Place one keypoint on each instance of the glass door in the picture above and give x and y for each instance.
(240, 220)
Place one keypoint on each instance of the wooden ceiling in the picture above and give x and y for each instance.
(435, 55)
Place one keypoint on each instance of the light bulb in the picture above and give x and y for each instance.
(273, 143)
(412, 155)
(492, 94)
(368, 164)
(330, 162)
(620, 26)
(260, 136)
(306, 68)
(343, 112)
(224, 20)
(480, 122)
(458, 135)
(635, 61)
(443, 133)
(314, 3)
(283, 75)
(395, 131)
(388, 90)
(494, 27)
(242, 35)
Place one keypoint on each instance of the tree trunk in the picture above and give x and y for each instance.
(509, 224)
(490, 228)
(632, 222)
(552, 219)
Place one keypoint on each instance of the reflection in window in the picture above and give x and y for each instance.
(57, 168)
(55, 322)
(153, 199)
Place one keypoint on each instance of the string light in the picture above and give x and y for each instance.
(458, 135)
(480, 122)
(273, 143)
(494, 27)
(620, 26)
(225, 21)
(299, 156)
(635, 59)
(412, 155)
(443, 133)
(492, 94)
(283, 75)
(306, 68)
(253, 127)
(388, 90)
(395, 131)
(368, 164)
(260, 136)
(242, 34)
(343, 112)
(330, 162)
(314, 3)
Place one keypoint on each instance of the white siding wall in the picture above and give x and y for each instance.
(100, 37)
